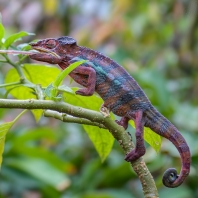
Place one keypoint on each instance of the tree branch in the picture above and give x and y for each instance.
(67, 118)
(86, 116)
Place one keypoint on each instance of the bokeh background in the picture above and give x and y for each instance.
(157, 42)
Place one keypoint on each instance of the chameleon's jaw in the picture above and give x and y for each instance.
(43, 50)
(45, 55)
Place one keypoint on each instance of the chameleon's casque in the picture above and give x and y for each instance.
(121, 94)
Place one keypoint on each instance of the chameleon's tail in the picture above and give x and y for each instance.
(164, 128)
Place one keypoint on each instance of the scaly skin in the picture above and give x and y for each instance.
(121, 94)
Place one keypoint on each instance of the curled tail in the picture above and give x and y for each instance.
(165, 128)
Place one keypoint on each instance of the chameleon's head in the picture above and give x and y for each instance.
(53, 50)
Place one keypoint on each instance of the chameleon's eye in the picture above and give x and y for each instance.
(51, 44)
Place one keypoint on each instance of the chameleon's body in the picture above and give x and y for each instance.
(121, 94)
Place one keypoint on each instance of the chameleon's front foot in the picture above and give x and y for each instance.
(134, 155)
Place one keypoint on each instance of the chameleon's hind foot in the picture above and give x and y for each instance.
(123, 122)
(139, 149)
(134, 155)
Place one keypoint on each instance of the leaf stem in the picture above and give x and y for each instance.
(20, 61)
(10, 84)
(23, 112)
(19, 70)
(23, 79)
(39, 92)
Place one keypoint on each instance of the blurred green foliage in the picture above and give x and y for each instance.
(156, 41)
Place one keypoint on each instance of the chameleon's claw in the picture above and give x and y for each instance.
(130, 157)
(134, 155)
(123, 122)
(105, 111)
(84, 92)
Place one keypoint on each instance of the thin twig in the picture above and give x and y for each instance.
(17, 52)
(71, 119)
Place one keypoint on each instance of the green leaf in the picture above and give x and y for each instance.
(33, 135)
(36, 73)
(152, 138)
(93, 102)
(45, 173)
(52, 89)
(4, 128)
(65, 88)
(41, 74)
(48, 90)
(71, 80)
(24, 46)
(102, 140)
(15, 37)
(37, 114)
(24, 145)
(44, 154)
(2, 32)
(57, 98)
(66, 72)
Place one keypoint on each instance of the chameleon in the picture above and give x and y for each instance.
(121, 94)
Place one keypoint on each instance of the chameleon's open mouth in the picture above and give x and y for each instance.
(44, 50)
